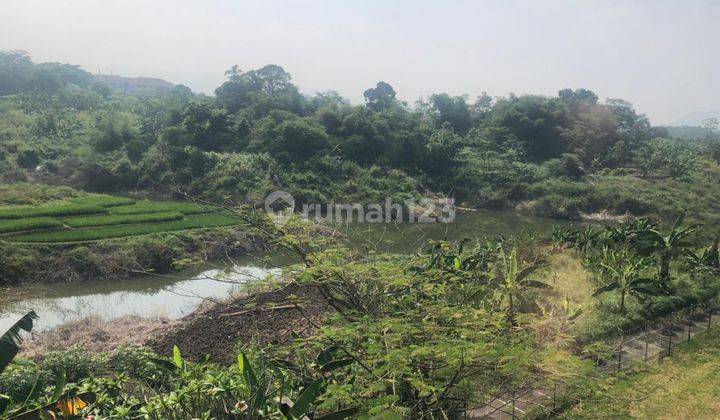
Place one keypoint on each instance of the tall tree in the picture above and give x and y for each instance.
(381, 97)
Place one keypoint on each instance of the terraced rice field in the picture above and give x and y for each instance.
(96, 217)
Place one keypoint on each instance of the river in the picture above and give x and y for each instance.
(179, 294)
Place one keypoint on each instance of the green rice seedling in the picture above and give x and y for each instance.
(59, 209)
(19, 225)
(92, 234)
(163, 206)
(122, 219)
(103, 200)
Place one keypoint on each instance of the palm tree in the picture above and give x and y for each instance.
(513, 282)
(667, 246)
(624, 275)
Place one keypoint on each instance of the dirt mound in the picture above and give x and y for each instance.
(95, 334)
(263, 318)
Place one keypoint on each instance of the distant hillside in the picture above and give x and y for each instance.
(132, 84)
(696, 118)
(686, 131)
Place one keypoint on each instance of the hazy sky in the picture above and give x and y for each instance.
(664, 56)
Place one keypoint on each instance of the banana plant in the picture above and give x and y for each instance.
(667, 246)
(261, 385)
(513, 282)
(624, 275)
(9, 347)
(10, 341)
(709, 258)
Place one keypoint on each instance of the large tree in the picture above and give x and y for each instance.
(381, 97)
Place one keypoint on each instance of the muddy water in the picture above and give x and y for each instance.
(178, 295)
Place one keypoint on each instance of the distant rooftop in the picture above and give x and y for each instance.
(131, 84)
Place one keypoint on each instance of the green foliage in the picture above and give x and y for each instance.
(678, 160)
(624, 275)
(20, 379)
(74, 364)
(259, 134)
(11, 338)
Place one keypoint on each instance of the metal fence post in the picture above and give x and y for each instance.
(619, 361)
(709, 318)
(690, 323)
(670, 343)
(646, 346)
(513, 403)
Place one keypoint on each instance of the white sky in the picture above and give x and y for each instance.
(664, 56)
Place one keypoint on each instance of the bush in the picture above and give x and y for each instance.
(553, 205)
(75, 363)
(140, 363)
(20, 378)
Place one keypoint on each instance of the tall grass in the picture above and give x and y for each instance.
(91, 234)
(123, 219)
(51, 210)
(163, 206)
(8, 226)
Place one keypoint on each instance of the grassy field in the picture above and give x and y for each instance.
(9, 226)
(59, 209)
(88, 217)
(103, 201)
(142, 207)
(123, 219)
(684, 386)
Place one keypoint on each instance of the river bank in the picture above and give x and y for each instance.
(112, 260)
(214, 329)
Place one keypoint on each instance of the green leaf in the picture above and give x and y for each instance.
(326, 356)
(305, 399)
(59, 388)
(164, 363)
(247, 371)
(11, 339)
(607, 288)
(537, 284)
(339, 415)
(336, 364)
(177, 357)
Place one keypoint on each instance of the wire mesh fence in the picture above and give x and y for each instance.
(654, 341)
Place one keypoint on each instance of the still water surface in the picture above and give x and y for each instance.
(180, 294)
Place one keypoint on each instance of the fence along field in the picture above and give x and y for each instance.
(96, 217)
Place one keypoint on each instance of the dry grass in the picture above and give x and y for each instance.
(569, 278)
(685, 386)
(95, 334)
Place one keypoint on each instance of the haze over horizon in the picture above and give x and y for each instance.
(655, 54)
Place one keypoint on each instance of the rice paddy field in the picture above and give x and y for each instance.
(96, 217)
